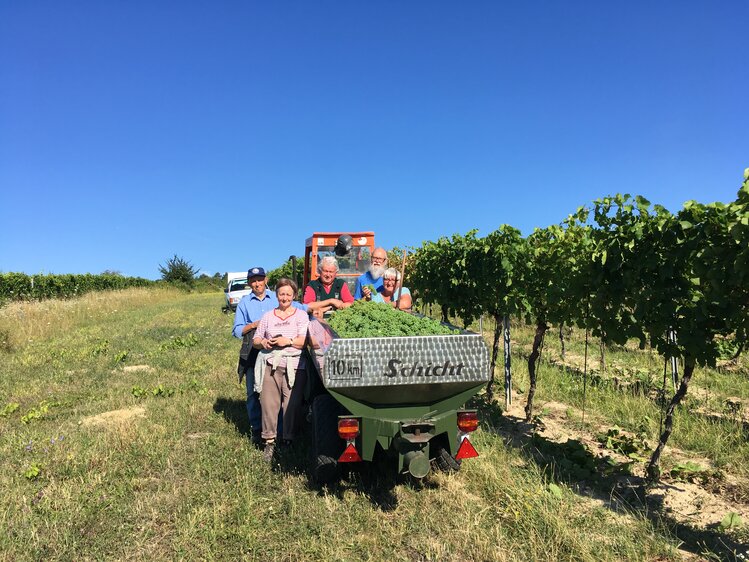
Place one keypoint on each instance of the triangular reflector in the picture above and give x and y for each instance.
(466, 450)
(350, 454)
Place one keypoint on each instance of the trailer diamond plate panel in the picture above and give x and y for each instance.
(397, 370)
(395, 361)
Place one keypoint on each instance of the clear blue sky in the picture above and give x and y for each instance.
(227, 132)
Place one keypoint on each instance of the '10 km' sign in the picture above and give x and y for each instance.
(346, 368)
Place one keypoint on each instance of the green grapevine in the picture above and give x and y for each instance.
(622, 269)
(371, 319)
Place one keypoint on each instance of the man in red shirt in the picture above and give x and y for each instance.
(330, 292)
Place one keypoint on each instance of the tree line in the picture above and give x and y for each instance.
(176, 271)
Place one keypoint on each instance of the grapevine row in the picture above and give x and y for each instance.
(19, 286)
(621, 269)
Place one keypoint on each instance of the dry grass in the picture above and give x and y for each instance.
(25, 321)
(183, 481)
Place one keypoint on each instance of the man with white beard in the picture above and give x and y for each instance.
(373, 276)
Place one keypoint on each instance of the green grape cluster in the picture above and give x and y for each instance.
(373, 319)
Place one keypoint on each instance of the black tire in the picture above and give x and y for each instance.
(326, 445)
(444, 461)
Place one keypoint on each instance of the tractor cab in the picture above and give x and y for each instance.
(353, 250)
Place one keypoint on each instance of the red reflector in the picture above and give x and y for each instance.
(468, 421)
(348, 428)
(350, 454)
(466, 450)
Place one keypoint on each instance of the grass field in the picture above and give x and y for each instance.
(123, 435)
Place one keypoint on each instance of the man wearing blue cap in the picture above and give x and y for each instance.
(249, 312)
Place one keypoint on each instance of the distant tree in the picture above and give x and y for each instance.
(208, 283)
(112, 272)
(178, 270)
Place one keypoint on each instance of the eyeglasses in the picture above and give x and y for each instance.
(378, 258)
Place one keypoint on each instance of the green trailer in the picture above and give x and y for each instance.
(399, 396)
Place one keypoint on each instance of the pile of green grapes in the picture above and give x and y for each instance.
(374, 319)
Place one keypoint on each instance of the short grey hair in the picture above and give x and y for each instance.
(327, 260)
(392, 272)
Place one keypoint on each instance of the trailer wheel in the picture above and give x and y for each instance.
(326, 445)
(445, 462)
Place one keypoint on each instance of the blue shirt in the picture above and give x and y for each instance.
(363, 280)
(251, 309)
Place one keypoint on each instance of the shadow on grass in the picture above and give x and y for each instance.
(374, 480)
(574, 464)
(234, 412)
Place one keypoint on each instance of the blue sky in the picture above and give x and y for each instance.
(228, 132)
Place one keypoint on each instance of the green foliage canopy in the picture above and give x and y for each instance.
(287, 270)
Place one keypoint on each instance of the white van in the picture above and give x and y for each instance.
(236, 288)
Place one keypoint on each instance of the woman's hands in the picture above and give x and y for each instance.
(277, 342)
(262, 343)
(280, 341)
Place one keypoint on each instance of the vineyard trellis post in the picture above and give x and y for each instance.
(674, 360)
(508, 370)
(585, 372)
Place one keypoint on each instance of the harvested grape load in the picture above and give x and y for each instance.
(375, 319)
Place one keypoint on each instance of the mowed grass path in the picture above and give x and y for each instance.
(130, 442)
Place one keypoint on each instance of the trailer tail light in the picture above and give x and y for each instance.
(348, 429)
(467, 421)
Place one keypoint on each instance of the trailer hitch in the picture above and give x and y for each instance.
(417, 432)
(413, 447)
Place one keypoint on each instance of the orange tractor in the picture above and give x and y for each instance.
(353, 250)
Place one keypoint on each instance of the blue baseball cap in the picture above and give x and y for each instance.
(255, 272)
